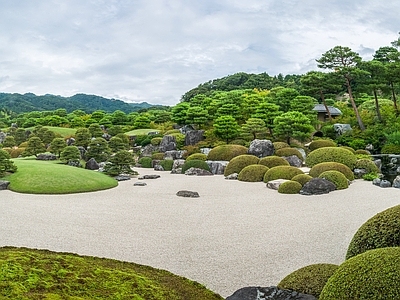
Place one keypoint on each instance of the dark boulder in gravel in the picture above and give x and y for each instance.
(268, 293)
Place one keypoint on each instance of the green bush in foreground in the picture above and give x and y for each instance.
(200, 164)
(318, 169)
(239, 162)
(6, 165)
(390, 149)
(320, 144)
(373, 275)
(302, 178)
(331, 154)
(41, 274)
(282, 172)
(273, 161)
(337, 178)
(290, 187)
(308, 280)
(226, 152)
(167, 164)
(146, 162)
(252, 173)
(382, 230)
(366, 164)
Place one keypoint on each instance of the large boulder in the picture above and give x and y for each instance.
(82, 151)
(261, 148)
(294, 161)
(4, 184)
(197, 172)
(168, 143)
(317, 186)
(46, 156)
(193, 137)
(268, 293)
(217, 167)
(148, 150)
(174, 154)
(396, 182)
(92, 164)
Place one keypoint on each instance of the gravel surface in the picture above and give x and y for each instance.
(234, 235)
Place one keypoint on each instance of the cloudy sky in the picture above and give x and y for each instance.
(156, 50)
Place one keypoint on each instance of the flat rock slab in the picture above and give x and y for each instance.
(188, 194)
(140, 183)
(122, 178)
(153, 176)
(4, 184)
(268, 293)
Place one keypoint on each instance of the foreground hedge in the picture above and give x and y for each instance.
(318, 169)
(239, 162)
(226, 152)
(253, 173)
(282, 172)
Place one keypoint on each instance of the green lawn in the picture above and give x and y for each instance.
(51, 177)
(41, 274)
(64, 132)
(140, 132)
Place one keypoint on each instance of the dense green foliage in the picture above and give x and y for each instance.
(337, 178)
(366, 164)
(318, 169)
(120, 163)
(331, 154)
(282, 172)
(308, 280)
(373, 275)
(199, 156)
(280, 145)
(253, 173)
(70, 154)
(145, 162)
(237, 163)
(321, 143)
(382, 230)
(226, 152)
(273, 161)
(195, 163)
(290, 187)
(302, 178)
(167, 164)
(6, 165)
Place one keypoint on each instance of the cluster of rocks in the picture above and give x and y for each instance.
(316, 186)
(268, 293)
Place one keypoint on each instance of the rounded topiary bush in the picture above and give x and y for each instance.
(366, 164)
(273, 161)
(349, 148)
(16, 152)
(289, 152)
(372, 275)
(226, 152)
(390, 149)
(282, 172)
(167, 164)
(308, 280)
(195, 163)
(337, 178)
(331, 154)
(158, 156)
(280, 145)
(197, 156)
(156, 141)
(302, 178)
(320, 144)
(252, 173)
(363, 152)
(239, 162)
(318, 169)
(382, 230)
(146, 162)
(290, 187)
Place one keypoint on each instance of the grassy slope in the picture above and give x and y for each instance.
(64, 132)
(41, 274)
(140, 132)
(43, 177)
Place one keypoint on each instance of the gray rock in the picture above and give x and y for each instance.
(2, 137)
(140, 183)
(186, 128)
(385, 184)
(70, 141)
(152, 176)
(158, 168)
(359, 173)
(341, 128)
(192, 137)
(317, 186)
(369, 147)
(198, 172)
(176, 171)
(217, 167)
(178, 163)
(274, 184)
(302, 152)
(92, 164)
(174, 154)
(148, 150)
(106, 136)
(74, 163)
(4, 184)
(396, 182)
(294, 161)
(122, 177)
(261, 148)
(82, 151)
(168, 143)
(46, 156)
(205, 150)
(377, 181)
(155, 162)
(268, 293)
(378, 163)
(233, 176)
(188, 194)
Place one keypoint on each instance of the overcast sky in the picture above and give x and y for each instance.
(156, 50)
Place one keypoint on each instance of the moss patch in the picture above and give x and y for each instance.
(318, 169)
(252, 173)
(226, 152)
(290, 187)
(273, 161)
(337, 178)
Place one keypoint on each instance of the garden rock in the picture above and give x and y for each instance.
(152, 176)
(92, 164)
(217, 167)
(82, 151)
(4, 184)
(176, 171)
(74, 163)
(359, 173)
(268, 293)
(140, 183)
(396, 182)
(188, 194)
(197, 172)
(294, 161)
(377, 181)
(148, 150)
(233, 176)
(205, 150)
(155, 162)
(2, 137)
(158, 168)
(192, 137)
(174, 154)
(168, 143)
(274, 184)
(122, 177)
(302, 152)
(46, 156)
(106, 136)
(178, 163)
(317, 186)
(261, 148)
(341, 128)
(385, 184)
(70, 141)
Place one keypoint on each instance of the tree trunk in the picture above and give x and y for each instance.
(394, 98)
(326, 106)
(353, 104)
(378, 111)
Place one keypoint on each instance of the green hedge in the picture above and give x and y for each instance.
(253, 173)
(195, 163)
(167, 164)
(280, 145)
(226, 152)
(289, 152)
(320, 144)
(290, 187)
(302, 178)
(282, 172)
(146, 162)
(337, 178)
(197, 156)
(273, 161)
(318, 169)
(239, 162)
(366, 164)
(331, 154)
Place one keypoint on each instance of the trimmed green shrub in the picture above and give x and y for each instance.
(273, 161)
(253, 173)
(390, 149)
(146, 162)
(172, 131)
(6, 165)
(157, 156)
(239, 162)
(226, 152)
(348, 148)
(382, 230)
(372, 275)
(337, 178)
(331, 154)
(198, 156)
(179, 138)
(167, 164)
(289, 152)
(280, 145)
(364, 152)
(357, 144)
(318, 169)
(195, 163)
(308, 280)
(290, 187)
(320, 144)
(366, 164)
(282, 172)
(16, 152)
(156, 141)
(302, 178)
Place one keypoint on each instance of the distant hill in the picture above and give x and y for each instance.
(30, 102)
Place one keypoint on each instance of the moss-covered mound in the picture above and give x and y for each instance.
(280, 145)
(41, 274)
(302, 178)
(390, 149)
(308, 280)
(337, 178)
(282, 172)
(197, 156)
(373, 275)
(195, 163)
(273, 161)
(226, 152)
(253, 173)
(366, 164)
(320, 144)
(157, 156)
(363, 152)
(331, 154)
(239, 162)
(146, 162)
(290, 187)
(289, 152)
(382, 230)
(167, 164)
(318, 169)
(348, 148)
